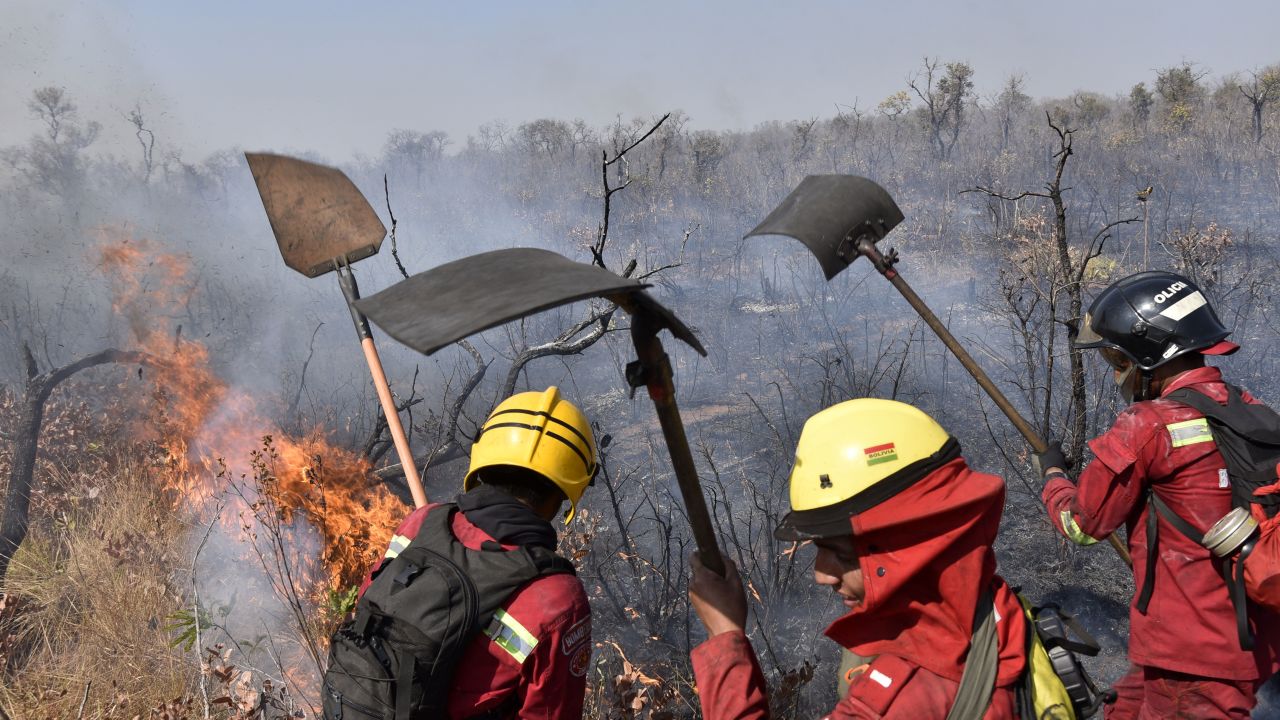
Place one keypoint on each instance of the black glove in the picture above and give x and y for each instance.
(1051, 457)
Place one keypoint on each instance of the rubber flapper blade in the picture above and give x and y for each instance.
(458, 299)
(824, 211)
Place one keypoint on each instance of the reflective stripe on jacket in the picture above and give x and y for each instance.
(532, 655)
(1189, 626)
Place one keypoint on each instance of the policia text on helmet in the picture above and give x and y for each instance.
(1152, 326)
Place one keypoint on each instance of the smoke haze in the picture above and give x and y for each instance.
(471, 114)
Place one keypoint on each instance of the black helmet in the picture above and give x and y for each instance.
(1153, 317)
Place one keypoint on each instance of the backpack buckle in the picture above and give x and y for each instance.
(407, 574)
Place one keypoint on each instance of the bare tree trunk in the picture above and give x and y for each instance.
(1068, 275)
(17, 502)
(1075, 295)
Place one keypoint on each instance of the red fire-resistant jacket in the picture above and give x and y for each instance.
(925, 555)
(1166, 446)
(551, 681)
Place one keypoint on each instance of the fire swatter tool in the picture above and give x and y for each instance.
(323, 224)
(840, 218)
(489, 289)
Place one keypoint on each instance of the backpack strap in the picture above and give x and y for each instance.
(1187, 529)
(548, 562)
(978, 681)
(1153, 544)
(1156, 505)
(404, 685)
(1232, 570)
(1233, 575)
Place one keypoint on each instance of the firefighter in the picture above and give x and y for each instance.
(535, 452)
(1154, 329)
(903, 530)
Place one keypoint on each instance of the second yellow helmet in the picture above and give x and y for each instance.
(855, 455)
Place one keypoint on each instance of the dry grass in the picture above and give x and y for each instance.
(95, 583)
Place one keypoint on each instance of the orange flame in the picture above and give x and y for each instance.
(201, 422)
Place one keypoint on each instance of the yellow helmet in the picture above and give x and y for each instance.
(854, 456)
(544, 433)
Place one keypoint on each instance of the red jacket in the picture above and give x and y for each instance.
(551, 681)
(1163, 445)
(925, 554)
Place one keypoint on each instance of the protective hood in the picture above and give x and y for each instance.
(925, 557)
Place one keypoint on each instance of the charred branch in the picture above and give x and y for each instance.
(395, 250)
(602, 235)
(564, 344)
(26, 440)
(376, 445)
(302, 374)
(449, 444)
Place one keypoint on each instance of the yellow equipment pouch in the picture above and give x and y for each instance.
(1055, 685)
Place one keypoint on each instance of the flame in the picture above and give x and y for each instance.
(212, 434)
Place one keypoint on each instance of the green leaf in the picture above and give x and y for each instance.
(185, 625)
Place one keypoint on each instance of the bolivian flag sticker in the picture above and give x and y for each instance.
(881, 454)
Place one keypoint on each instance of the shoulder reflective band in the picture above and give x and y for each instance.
(1189, 432)
(508, 634)
(1073, 531)
(396, 546)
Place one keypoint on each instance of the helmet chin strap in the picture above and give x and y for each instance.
(1142, 392)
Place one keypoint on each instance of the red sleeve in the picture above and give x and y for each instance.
(1110, 487)
(554, 678)
(730, 684)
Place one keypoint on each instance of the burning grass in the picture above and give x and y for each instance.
(219, 438)
(108, 613)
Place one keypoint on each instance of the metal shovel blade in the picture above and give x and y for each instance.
(452, 301)
(316, 212)
(828, 212)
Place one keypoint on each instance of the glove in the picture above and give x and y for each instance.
(1051, 457)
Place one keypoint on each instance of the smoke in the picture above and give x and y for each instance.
(84, 47)
(782, 341)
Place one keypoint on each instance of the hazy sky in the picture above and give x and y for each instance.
(334, 77)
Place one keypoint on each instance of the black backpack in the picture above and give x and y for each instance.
(1248, 436)
(395, 659)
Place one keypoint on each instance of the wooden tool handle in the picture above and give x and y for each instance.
(657, 369)
(393, 422)
(867, 247)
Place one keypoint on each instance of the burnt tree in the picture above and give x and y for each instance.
(1264, 87)
(38, 387)
(1067, 276)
